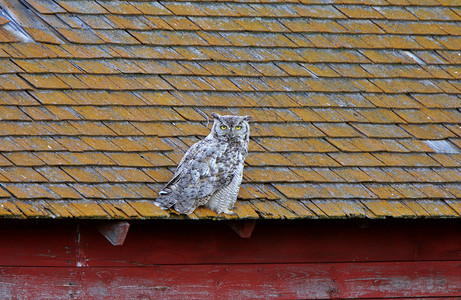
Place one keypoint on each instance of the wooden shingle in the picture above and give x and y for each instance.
(355, 105)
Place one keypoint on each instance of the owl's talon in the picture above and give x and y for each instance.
(229, 212)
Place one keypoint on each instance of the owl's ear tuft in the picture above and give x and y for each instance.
(215, 115)
(248, 118)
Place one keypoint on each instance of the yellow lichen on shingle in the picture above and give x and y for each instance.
(147, 209)
(355, 105)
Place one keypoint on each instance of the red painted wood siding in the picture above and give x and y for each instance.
(316, 260)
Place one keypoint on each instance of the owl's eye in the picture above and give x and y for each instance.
(223, 127)
(238, 127)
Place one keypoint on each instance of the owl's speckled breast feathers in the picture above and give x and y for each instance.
(211, 171)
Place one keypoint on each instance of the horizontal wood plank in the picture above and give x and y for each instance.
(72, 244)
(263, 281)
(38, 244)
(278, 242)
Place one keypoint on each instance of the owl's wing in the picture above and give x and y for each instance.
(202, 171)
(188, 156)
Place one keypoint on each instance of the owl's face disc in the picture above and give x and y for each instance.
(231, 128)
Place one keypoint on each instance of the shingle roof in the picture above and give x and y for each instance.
(357, 104)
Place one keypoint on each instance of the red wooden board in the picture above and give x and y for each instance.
(208, 260)
(312, 281)
(38, 245)
(69, 244)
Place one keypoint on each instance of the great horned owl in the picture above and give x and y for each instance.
(211, 171)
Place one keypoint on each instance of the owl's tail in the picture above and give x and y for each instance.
(172, 199)
(166, 199)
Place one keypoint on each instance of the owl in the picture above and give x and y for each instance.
(211, 171)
